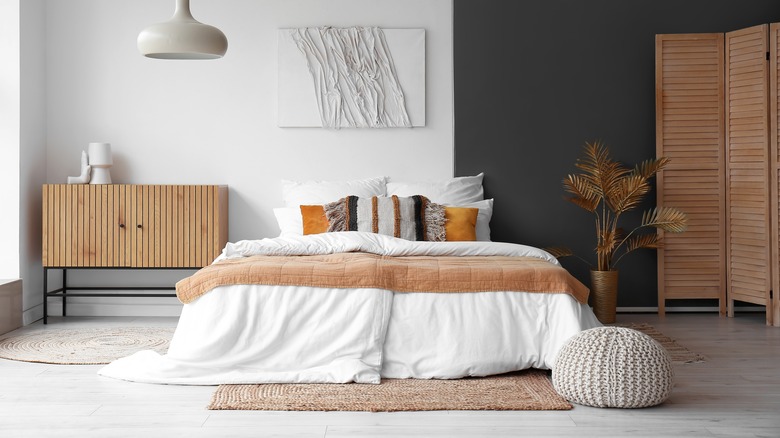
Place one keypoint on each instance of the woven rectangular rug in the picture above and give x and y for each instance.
(529, 390)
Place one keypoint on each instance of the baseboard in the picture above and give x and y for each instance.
(161, 307)
(682, 309)
(174, 309)
(32, 314)
(36, 313)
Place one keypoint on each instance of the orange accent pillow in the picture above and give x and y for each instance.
(314, 219)
(460, 223)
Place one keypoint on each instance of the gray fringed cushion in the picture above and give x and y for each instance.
(613, 367)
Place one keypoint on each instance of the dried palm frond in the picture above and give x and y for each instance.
(559, 251)
(596, 157)
(612, 179)
(600, 170)
(583, 203)
(666, 218)
(580, 186)
(643, 241)
(628, 194)
(648, 168)
(583, 190)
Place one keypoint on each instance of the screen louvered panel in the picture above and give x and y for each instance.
(747, 167)
(690, 131)
(774, 140)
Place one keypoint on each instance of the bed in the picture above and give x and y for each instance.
(357, 306)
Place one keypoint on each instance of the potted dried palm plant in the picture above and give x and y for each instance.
(608, 189)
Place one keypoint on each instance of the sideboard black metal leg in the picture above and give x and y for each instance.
(64, 291)
(45, 295)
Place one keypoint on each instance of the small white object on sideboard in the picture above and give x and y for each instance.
(100, 161)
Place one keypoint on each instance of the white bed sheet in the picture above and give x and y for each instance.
(294, 334)
(269, 334)
(448, 336)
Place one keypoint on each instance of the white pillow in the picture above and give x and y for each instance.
(297, 193)
(291, 223)
(451, 191)
(483, 218)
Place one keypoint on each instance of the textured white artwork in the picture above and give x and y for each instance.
(359, 77)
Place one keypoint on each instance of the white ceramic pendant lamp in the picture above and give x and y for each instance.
(182, 37)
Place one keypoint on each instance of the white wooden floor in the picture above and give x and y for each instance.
(735, 394)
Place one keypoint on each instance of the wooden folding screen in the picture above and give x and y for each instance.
(747, 164)
(690, 131)
(774, 170)
(747, 136)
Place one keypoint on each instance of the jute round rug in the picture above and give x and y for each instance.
(91, 346)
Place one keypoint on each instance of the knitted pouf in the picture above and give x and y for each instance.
(613, 367)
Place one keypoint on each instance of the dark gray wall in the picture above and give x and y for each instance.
(535, 79)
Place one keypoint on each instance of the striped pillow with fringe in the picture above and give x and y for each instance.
(411, 218)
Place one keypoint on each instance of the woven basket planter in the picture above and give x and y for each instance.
(613, 367)
(603, 288)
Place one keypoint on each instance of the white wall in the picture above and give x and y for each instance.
(214, 122)
(10, 115)
(32, 154)
(22, 145)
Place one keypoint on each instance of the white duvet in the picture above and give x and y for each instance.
(285, 334)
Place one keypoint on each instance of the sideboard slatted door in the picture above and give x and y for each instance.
(690, 131)
(747, 168)
(176, 226)
(774, 141)
(81, 226)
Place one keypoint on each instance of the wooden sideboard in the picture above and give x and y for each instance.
(130, 226)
